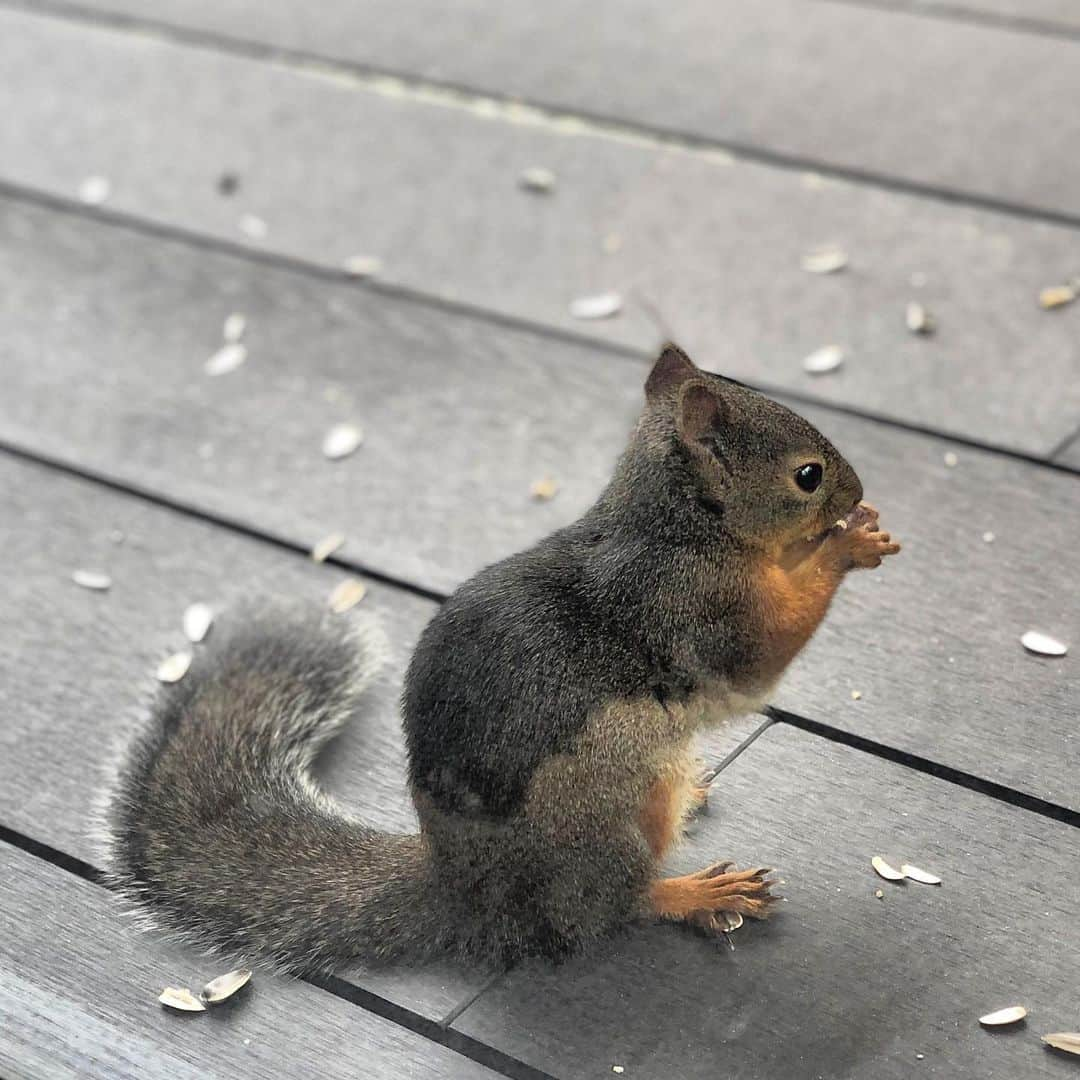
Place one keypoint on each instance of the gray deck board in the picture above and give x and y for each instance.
(78, 996)
(949, 103)
(713, 247)
(75, 667)
(840, 984)
(462, 416)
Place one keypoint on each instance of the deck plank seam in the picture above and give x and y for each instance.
(603, 124)
(294, 264)
(918, 763)
(947, 12)
(1065, 444)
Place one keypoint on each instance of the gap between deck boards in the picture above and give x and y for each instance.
(298, 265)
(948, 12)
(599, 124)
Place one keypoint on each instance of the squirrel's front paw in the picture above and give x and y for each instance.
(862, 543)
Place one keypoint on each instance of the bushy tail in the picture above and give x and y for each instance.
(217, 829)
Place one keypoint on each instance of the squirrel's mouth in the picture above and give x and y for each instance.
(855, 517)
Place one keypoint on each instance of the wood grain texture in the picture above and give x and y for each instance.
(78, 997)
(710, 245)
(948, 104)
(840, 983)
(461, 416)
(76, 667)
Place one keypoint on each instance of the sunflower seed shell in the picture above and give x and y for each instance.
(224, 986)
(601, 306)
(197, 620)
(921, 876)
(327, 546)
(1003, 1016)
(884, 870)
(1056, 296)
(1069, 1041)
(173, 668)
(919, 320)
(821, 361)
(539, 180)
(177, 997)
(347, 594)
(1043, 644)
(341, 440)
(544, 489)
(826, 260)
(92, 579)
(362, 266)
(234, 327)
(228, 358)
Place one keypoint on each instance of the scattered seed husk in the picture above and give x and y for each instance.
(224, 986)
(821, 361)
(173, 668)
(884, 870)
(347, 594)
(950, 459)
(362, 266)
(988, 537)
(1069, 1041)
(234, 327)
(600, 306)
(1003, 1016)
(922, 876)
(611, 243)
(824, 260)
(228, 358)
(617, 1069)
(252, 225)
(94, 190)
(327, 546)
(97, 580)
(919, 320)
(544, 489)
(341, 440)
(197, 620)
(879, 893)
(1043, 644)
(1056, 296)
(178, 997)
(537, 179)
(856, 695)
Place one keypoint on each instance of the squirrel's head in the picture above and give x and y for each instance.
(771, 475)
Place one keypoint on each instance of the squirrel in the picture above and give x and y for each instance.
(549, 712)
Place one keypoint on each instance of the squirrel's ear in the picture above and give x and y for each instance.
(670, 371)
(700, 412)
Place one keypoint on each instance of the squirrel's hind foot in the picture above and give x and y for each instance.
(700, 899)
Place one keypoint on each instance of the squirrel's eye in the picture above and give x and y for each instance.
(808, 477)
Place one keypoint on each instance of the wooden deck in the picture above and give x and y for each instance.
(700, 149)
